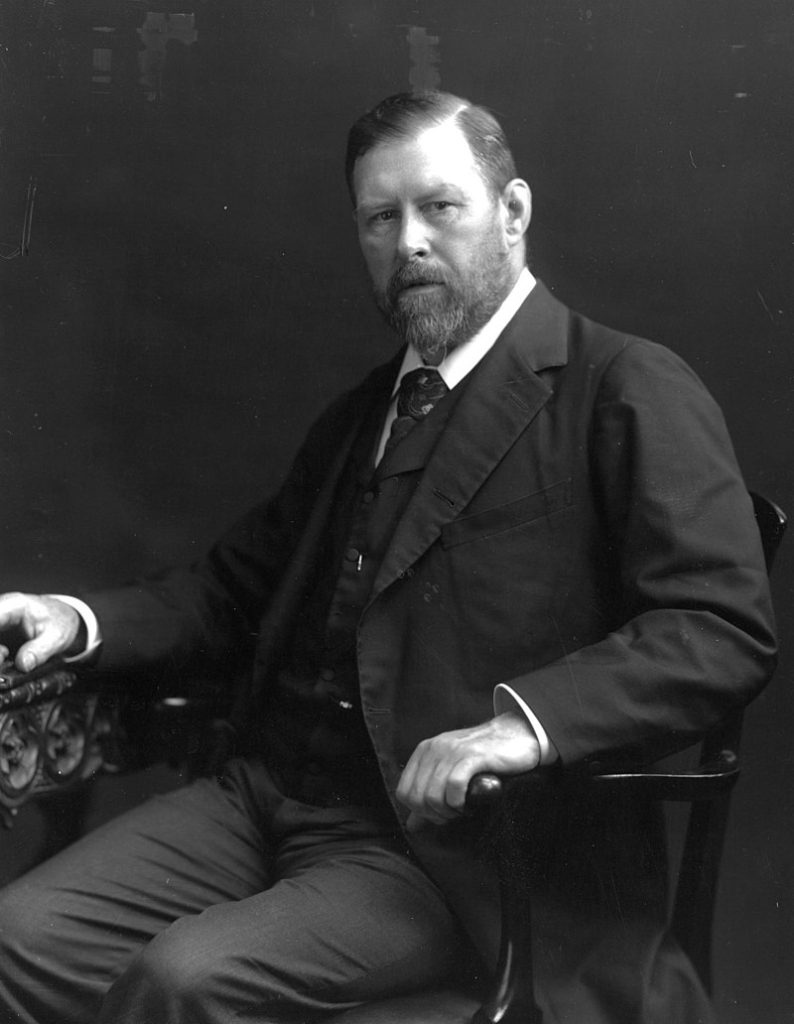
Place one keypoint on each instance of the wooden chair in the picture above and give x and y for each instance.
(56, 732)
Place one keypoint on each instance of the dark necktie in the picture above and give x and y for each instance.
(419, 391)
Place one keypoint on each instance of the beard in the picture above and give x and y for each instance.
(438, 321)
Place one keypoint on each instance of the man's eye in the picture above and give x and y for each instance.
(383, 217)
(440, 206)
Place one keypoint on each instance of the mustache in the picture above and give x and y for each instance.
(411, 274)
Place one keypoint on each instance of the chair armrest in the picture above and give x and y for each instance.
(706, 782)
(52, 733)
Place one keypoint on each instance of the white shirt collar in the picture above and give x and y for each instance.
(465, 357)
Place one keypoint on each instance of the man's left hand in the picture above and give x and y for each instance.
(434, 783)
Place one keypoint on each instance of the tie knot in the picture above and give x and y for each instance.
(419, 391)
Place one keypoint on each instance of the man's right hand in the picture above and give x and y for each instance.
(50, 627)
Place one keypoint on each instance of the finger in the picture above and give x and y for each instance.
(45, 645)
(415, 822)
(418, 820)
(433, 797)
(430, 799)
(407, 787)
(423, 786)
(423, 793)
(457, 783)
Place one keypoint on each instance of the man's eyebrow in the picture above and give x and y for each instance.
(445, 186)
(428, 194)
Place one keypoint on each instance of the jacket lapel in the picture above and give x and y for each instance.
(366, 400)
(502, 396)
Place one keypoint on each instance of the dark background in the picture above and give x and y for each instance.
(184, 291)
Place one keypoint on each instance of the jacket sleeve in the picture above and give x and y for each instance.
(693, 633)
(211, 611)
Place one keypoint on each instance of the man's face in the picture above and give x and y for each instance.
(433, 238)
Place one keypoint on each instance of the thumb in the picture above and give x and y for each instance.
(415, 822)
(52, 633)
(38, 650)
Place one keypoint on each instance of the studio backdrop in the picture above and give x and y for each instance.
(181, 291)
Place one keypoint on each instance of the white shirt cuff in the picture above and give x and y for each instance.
(505, 698)
(93, 639)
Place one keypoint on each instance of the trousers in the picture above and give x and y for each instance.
(222, 901)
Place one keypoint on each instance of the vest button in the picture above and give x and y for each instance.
(327, 674)
(352, 554)
(369, 497)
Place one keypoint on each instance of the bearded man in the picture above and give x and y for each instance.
(523, 540)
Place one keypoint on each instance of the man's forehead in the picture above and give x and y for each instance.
(431, 156)
(439, 143)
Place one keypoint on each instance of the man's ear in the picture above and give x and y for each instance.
(516, 202)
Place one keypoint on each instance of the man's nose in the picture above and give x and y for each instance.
(412, 240)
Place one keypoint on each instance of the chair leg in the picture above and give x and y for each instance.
(512, 996)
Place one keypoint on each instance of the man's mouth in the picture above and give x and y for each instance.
(411, 282)
(420, 286)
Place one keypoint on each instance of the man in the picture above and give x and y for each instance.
(523, 540)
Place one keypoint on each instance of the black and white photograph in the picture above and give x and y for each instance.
(396, 444)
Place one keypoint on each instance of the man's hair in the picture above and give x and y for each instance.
(405, 114)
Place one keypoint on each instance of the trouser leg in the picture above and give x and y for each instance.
(168, 914)
(72, 925)
(349, 929)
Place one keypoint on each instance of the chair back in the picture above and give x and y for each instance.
(696, 889)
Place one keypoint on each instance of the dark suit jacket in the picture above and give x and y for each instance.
(580, 531)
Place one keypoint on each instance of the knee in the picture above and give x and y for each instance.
(188, 975)
(176, 977)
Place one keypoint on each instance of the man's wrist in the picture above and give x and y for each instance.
(505, 698)
(88, 640)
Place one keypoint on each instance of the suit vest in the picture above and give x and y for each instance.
(315, 741)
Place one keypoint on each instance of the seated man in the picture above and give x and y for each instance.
(524, 539)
